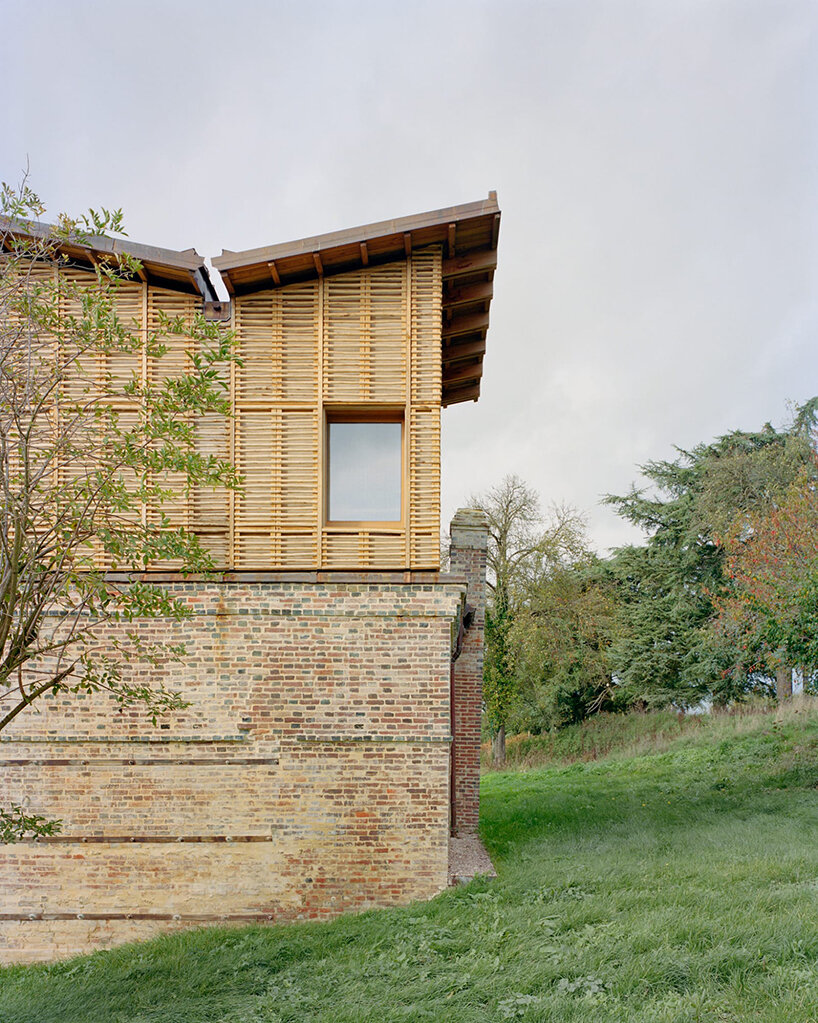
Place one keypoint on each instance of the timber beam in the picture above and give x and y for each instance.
(466, 350)
(470, 393)
(469, 262)
(468, 294)
(460, 374)
(472, 323)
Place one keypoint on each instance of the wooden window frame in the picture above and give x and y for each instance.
(364, 414)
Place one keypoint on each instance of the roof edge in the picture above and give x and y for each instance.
(230, 259)
(188, 259)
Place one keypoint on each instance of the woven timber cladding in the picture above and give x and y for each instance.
(366, 341)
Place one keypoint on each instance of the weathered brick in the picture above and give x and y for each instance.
(310, 774)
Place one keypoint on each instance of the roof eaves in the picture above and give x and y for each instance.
(189, 259)
(230, 260)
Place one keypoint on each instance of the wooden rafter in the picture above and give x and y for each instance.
(271, 265)
(470, 393)
(469, 293)
(471, 371)
(468, 324)
(467, 350)
(469, 262)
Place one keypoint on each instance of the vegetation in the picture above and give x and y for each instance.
(90, 453)
(718, 605)
(665, 888)
(524, 553)
(665, 648)
(636, 733)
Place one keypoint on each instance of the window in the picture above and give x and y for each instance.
(365, 468)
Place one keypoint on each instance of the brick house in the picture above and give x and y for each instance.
(331, 745)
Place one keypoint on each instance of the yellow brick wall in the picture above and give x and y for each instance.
(309, 776)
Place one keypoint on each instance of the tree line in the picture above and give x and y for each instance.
(717, 604)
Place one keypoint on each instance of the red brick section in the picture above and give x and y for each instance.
(469, 535)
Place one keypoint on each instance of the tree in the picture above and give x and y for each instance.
(666, 650)
(562, 638)
(520, 544)
(90, 456)
(514, 518)
(769, 615)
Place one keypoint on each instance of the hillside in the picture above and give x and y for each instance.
(667, 887)
(632, 734)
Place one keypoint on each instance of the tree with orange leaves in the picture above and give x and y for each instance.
(769, 614)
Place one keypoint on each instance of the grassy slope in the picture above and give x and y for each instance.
(680, 886)
(634, 734)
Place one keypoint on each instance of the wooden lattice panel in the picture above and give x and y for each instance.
(211, 506)
(386, 550)
(299, 313)
(343, 550)
(217, 545)
(254, 461)
(297, 457)
(424, 484)
(125, 367)
(258, 372)
(346, 323)
(426, 302)
(351, 342)
(253, 549)
(83, 372)
(388, 334)
(348, 342)
(297, 550)
(174, 362)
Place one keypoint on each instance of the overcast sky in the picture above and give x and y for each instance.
(656, 164)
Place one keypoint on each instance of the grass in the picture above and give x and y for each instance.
(636, 733)
(671, 887)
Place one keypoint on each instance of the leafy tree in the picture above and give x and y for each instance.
(499, 672)
(769, 615)
(666, 650)
(523, 548)
(562, 640)
(514, 540)
(88, 459)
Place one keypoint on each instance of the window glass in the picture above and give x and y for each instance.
(364, 472)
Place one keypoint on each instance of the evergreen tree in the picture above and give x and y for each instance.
(666, 650)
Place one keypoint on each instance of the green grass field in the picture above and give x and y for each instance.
(674, 886)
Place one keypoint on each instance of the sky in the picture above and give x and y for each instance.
(656, 164)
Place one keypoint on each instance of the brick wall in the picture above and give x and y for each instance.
(469, 535)
(309, 775)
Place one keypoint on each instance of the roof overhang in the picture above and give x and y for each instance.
(467, 235)
(163, 268)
